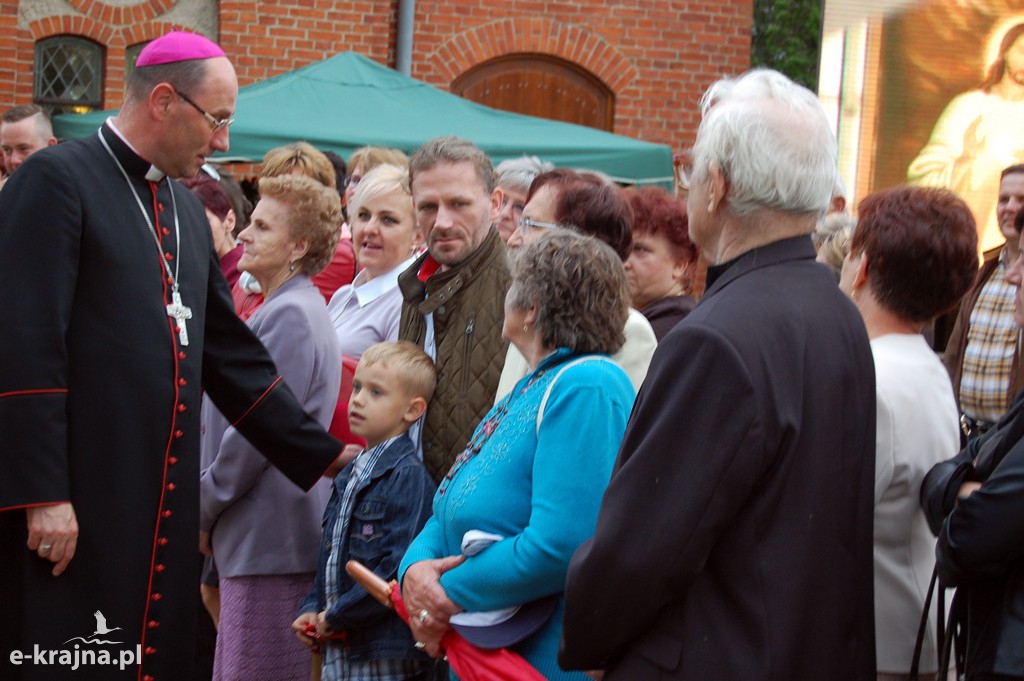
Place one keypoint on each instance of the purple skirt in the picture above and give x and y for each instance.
(255, 641)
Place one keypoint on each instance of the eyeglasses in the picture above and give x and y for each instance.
(215, 123)
(526, 223)
(517, 206)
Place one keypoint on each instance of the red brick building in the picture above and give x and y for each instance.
(635, 67)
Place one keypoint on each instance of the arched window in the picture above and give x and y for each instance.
(131, 55)
(69, 74)
(540, 85)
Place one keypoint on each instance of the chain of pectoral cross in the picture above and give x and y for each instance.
(176, 310)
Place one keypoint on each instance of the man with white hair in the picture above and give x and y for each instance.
(735, 537)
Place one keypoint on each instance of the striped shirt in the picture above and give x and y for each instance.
(992, 338)
(336, 664)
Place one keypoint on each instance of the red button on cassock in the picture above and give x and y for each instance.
(172, 460)
(150, 650)
(157, 597)
(181, 408)
(171, 487)
(178, 433)
(181, 381)
(162, 541)
(152, 624)
(167, 513)
(159, 567)
(148, 677)
(181, 355)
(169, 256)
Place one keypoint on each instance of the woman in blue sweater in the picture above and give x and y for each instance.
(532, 476)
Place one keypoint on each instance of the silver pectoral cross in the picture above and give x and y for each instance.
(179, 313)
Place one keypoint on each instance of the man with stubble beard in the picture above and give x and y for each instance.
(453, 295)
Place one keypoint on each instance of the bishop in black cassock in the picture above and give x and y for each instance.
(100, 401)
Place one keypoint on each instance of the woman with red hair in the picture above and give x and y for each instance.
(912, 257)
(661, 265)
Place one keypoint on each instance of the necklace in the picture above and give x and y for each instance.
(176, 310)
(486, 429)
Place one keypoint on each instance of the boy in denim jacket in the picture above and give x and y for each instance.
(379, 504)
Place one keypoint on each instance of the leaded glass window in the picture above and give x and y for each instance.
(69, 74)
(131, 55)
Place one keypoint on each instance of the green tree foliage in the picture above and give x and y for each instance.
(787, 37)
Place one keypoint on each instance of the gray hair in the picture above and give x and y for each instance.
(452, 149)
(185, 76)
(383, 179)
(579, 287)
(772, 142)
(519, 173)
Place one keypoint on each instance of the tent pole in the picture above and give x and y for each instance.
(403, 47)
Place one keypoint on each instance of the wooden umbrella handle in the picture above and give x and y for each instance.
(366, 578)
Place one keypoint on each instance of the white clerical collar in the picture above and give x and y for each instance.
(369, 291)
(154, 174)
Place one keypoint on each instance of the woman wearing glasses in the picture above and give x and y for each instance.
(564, 199)
(515, 176)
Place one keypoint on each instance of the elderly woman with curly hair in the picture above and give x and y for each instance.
(912, 256)
(524, 494)
(264, 531)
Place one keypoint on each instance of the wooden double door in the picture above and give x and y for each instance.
(540, 85)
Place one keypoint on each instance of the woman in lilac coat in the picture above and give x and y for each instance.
(264, 531)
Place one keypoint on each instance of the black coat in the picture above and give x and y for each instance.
(100, 402)
(981, 543)
(665, 313)
(735, 538)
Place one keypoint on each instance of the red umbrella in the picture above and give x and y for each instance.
(469, 662)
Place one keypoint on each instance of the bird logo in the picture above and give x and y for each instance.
(101, 630)
(101, 624)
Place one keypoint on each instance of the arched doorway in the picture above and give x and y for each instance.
(539, 85)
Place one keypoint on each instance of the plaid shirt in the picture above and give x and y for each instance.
(340, 668)
(336, 664)
(992, 339)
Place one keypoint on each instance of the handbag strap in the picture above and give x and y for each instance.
(561, 370)
(950, 635)
(923, 626)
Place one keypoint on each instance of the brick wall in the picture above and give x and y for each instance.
(265, 38)
(657, 56)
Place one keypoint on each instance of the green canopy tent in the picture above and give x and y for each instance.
(348, 101)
